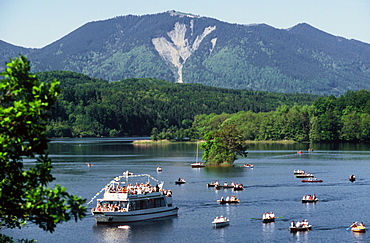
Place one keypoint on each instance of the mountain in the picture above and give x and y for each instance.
(187, 48)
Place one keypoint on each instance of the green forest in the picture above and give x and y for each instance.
(89, 107)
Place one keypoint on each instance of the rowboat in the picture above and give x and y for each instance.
(304, 175)
(248, 166)
(312, 180)
(352, 178)
(358, 229)
(180, 181)
(233, 199)
(159, 169)
(310, 200)
(296, 172)
(220, 222)
(303, 228)
(269, 220)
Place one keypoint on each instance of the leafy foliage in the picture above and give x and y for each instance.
(24, 111)
(92, 107)
(328, 119)
(222, 146)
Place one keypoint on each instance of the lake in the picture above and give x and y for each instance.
(269, 187)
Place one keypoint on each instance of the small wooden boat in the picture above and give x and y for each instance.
(303, 228)
(268, 220)
(180, 181)
(359, 229)
(298, 172)
(220, 222)
(312, 180)
(304, 175)
(197, 165)
(224, 186)
(352, 178)
(221, 201)
(159, 169)
(238, 187)
(248, 166)
(213, 184)
(310, 200)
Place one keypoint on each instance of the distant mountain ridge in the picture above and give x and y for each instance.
(187, 48)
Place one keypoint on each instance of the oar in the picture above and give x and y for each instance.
(256, 218)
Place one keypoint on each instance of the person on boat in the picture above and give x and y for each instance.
(216, 183)
(361, 224)
(222, 199)
(292, 224)
(354, 224)
(304, 223)
(225, 184)
(272, 215)
(298, 224)
(227, 198)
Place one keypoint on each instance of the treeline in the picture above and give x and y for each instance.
(94, 107)
(328, 119)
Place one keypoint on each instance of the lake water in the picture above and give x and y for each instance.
(270, 187)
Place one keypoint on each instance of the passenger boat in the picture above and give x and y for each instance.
(220, 222)
(303, 228)
(312, 180)
(130, 198)
(180, 181)
(304, 175)
(359, 229)
(248, 166)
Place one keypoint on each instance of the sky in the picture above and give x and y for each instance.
(37, 23)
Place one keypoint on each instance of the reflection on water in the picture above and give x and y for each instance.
(300, 236)
(268, 231)
(111, 233)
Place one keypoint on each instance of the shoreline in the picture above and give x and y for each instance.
(148, 141)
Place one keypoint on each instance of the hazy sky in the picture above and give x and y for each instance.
(37, 23)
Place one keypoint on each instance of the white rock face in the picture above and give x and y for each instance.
(178, 50)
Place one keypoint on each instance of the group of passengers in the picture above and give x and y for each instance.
(298, 171)
(110, 207)
(355, 224)
(309, 197)
(299, 224)
(229, 199)
(268, 215)
(134, 189)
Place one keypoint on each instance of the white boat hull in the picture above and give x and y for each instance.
(133, 216)
(221, 224)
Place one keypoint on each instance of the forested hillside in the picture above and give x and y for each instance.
(94, 107)
(328, 119)
(187, 48)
